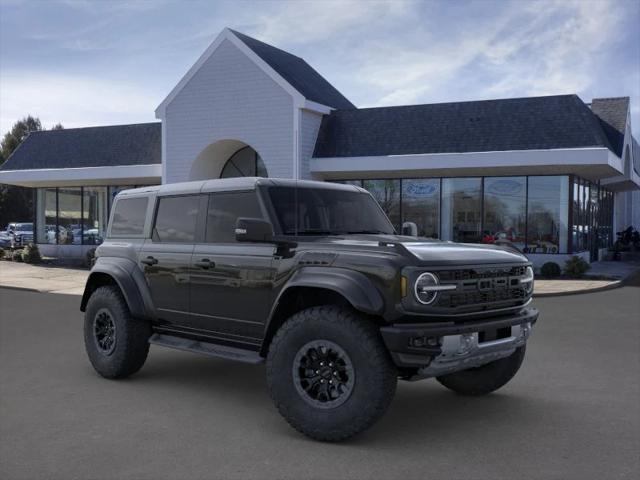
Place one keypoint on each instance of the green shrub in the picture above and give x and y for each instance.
(551, 270)
(16, 256)
(576, 266)
(2, 254)
(31, 254)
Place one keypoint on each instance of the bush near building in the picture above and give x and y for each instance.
(551, 270)
(31, 254)
(576, 266)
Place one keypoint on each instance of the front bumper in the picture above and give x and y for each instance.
(445, 347)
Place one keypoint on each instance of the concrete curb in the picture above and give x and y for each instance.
(24, 289)
(613, 285)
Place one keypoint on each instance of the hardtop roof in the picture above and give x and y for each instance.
(231, 184)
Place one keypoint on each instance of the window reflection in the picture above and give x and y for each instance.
(505, 201)
(94, 215)
(547, 227)
(69, 216)
(461, 201)
(46, 215)
(387, 194)
(421, 207)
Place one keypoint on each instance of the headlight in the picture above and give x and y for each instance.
(427, 287)
(527, 280)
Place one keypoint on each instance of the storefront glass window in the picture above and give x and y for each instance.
(461, 207)
(387, 194)
(505, 214)
(69, 216)
(94, 205)
(547, 227)
(421, 207)
(46, 215)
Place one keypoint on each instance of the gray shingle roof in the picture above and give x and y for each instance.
(298, 73)
(562, 121)
(137, 144)
(612, 113)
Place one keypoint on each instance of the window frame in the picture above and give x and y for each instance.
(264, 213)
(198, 231)
(110, 233)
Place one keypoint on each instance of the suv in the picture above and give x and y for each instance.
(19, 234)
(310, 278)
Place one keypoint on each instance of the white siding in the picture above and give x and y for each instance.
(229, 97)
(309, 127)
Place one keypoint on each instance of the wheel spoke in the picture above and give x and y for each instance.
(323, 374)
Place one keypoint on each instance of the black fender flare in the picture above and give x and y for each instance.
(130, 279)
(354, 286)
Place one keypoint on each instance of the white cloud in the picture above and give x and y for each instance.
(526, 48)
(309, 21)
(73, 100)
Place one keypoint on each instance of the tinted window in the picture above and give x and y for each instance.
(224, 210)
(323, 211)
(129, 215)
(176, 219)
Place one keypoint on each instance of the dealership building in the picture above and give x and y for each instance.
(553, 176)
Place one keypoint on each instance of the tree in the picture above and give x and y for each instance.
(16, 203)
(14, 137)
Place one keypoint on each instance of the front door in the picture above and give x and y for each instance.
(231, 282)
(166, 258)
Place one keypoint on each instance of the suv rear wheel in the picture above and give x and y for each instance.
(487, 378)
(116, 343)
(329, 373)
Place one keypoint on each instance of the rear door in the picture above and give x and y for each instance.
(166, 257)
(231, 282)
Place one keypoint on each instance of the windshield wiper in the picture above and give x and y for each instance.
(372, 232)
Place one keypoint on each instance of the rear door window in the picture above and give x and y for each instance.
(128, 216)
(223, 212)
(176, 219)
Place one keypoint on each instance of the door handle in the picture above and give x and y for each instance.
(204, 263)
(149, 260)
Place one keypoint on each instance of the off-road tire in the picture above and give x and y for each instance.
(131, 335)
(374, 373)
(487, 378)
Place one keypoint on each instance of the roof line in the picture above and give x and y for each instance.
(97, 126)
(463, 101)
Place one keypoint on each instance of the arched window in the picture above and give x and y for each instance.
(244, 163)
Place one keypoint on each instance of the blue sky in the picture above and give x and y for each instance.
(84, 62)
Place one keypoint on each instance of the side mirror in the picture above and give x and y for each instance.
(253, 230)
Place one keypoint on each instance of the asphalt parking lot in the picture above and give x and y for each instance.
(573, 411)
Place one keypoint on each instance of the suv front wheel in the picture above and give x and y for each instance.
(329, 373)
(116, 343)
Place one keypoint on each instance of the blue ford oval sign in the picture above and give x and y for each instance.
(505, 187)
(421, 189)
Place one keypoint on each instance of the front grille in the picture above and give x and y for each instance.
(478, 298)
(477, 273)
(482, 288)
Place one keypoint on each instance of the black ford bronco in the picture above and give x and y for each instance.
(310, 278)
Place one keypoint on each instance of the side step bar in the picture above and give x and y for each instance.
(205, 348)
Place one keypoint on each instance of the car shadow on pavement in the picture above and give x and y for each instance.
(420, 412)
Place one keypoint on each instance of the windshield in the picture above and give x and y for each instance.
(324, 211)
(24, 227)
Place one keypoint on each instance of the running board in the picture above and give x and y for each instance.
(205, 348)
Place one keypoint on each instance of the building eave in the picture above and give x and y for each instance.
(72, 177)
(591, 163)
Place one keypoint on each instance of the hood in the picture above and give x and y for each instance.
(463, 253)
(436, 252)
